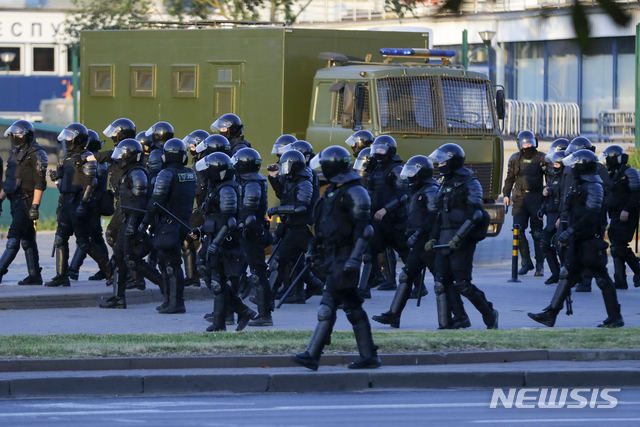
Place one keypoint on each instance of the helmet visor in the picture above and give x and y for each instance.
(379, 149)
(285, 168)
(150, 131)
(555, 157)
(315, 163)
(67, 135)
(201, 147)
(527, 142)
(602, 157)
(16, 130)
(111, 131)
(117, 153)
(352, 141)
(190, 140)
(573, 159)
(440, 156)
(221, 125)
(202, 164)
(279, 149)
(409, 171)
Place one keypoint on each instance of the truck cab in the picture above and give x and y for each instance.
(422, 106)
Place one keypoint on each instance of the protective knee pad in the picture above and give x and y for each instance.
(13, 243)
(617, 251)
(354, 316)
(536, 234)
(463, 287)
(438, 288)
(403, 278)
(604, 283)
(110, 238)
(26, 244)
(84, 244)
(216, 287)
(58, 241)
(324, 313)
(564, 273)
(254, 280)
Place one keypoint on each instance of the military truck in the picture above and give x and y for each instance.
(287, 80)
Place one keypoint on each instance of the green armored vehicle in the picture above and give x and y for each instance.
(285, 80)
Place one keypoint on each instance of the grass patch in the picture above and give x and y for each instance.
(288, 342)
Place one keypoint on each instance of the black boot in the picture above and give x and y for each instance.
(392, 317)
(175, 280)
(538, 251)
(310, 359)
(244, 317)
(554, 267)
(480, 302)
(12, 248)
(118, 300)
(189, 257)
(584, 285)
(264, 309)
(547, 318)
(218, 314)
(388, 268)
(115, 302)
(610, 297)
(33, 266)
(314, 286)
(620, 273)
(368, 350)
(525, 255)
(76, 262)
(93, 250)
(164, 290)
(62, 258)
(550, 313)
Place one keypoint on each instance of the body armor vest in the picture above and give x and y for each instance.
(419, 208)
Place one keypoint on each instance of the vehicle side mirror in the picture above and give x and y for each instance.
(500, 104)
(348, 105)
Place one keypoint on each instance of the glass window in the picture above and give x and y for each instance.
(322, 109)
(184, 81)
(529, 71)
(101, 79)
(142, 81)
(16, 64)
(44, 59)
(626, 79)
(562, 81)
(597, 83)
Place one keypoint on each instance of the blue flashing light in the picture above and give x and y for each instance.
(420, 53)
(385, 51)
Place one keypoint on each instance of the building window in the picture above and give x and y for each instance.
(101, 81)
(597, 83)
(529, 71)
(562, 80)
(69, 64)
(16, 64)
(184, 81)
(44, 59)
(142, 82)
(626, 76)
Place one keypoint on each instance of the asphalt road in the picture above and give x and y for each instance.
(405, 408)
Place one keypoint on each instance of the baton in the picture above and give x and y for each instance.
(295, 266)
(441, 247)
(424, 272)
(171, 215)
(293, 284)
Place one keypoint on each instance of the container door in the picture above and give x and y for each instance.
(226, 90)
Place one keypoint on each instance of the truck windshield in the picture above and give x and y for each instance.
(435, 105)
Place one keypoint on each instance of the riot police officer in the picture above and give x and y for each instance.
(364, 164)
(255, 237)
(342, 227)
(622, 207)
(583, 239)
(171, 204)
(461, 224)
(523, 188)
(94, 144)
(418, 172)
(221, 251)
(295, 212)
(230, 126)
(551, 209)
(159, 133)
(78, 177)
(359, 141)
(24, 183)
(133, 201)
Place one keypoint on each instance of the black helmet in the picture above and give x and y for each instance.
(246, 160)
(160, 133)
(74, 136)
(417, 169)
(614, 156)
(452, 155)
(359, 141)
(145, 141)
(120, 129)
(214, 144)
(128, 152)
(579, 143)
(384, 148)
(174, 151)
(527, 137)
(195, 138)
(335, 163)
(94, 144)
(21, 132)
(583, 162)
(291, 163)
(215, 167)
(305, 148)
(557, 157)
(364, 164)
(228, 125)
(281, 142)
(557, 145)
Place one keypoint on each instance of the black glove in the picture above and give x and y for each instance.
(310, 257)
(541, 214)
(131, 229)
(33, 212)
(196, 231)
(213, 249)
(81, 211)
(430, 244)
(352, 265)
(272, 211)
(53, 175)
(142, 228)
(413, 239)
(565, 236)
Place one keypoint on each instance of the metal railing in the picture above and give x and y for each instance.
(547, 119)
(617, 125)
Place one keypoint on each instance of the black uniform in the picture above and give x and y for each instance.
(115, 174)
(78, 180)
(26, 172)
(586, 250)
(551, 209)
(524, 185)
(624, 197)
(238, 143)
(459, 200)
(422, 217)
(174, 189)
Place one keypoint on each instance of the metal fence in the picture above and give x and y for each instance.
(617, 125)
(547, 119)
(436, 105)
